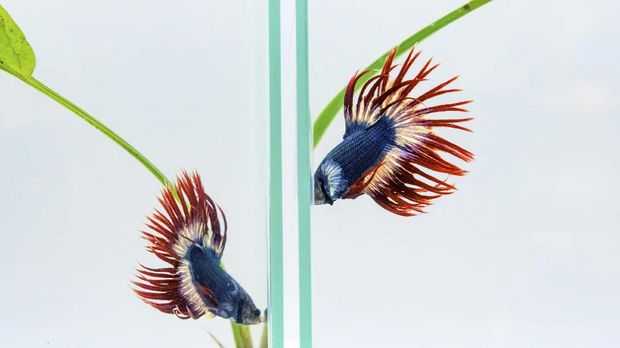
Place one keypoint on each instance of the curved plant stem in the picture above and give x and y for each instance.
(217, 342)
(328, 114)
(241, 333)
(41, 87)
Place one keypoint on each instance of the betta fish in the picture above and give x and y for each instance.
(190, 237)
(389, 142)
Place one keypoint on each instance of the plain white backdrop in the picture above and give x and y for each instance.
(183, 81)
(526, 253)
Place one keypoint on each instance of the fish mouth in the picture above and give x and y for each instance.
(248, 321)
(253, 321)
(320, 197)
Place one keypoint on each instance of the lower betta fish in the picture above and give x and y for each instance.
(389, 141)
(190, 237)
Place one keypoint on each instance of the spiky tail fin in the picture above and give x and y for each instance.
(399, 183)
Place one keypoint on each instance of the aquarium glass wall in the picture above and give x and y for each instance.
(186, 84)
(514, 242)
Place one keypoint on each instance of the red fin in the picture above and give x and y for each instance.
(208, 296)
(162, 290)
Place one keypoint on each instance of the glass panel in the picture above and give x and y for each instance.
(304, 178)
(525, 252)
(185, 82)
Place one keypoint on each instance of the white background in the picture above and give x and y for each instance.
(183, 81)
(526, 253)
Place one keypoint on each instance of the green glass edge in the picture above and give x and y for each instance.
(304, 176)
(276, 271)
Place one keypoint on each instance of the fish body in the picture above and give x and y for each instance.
(390, 149)
(347, 163)
(221, 292)
(190, 236)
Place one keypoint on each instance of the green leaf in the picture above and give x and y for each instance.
(16, 55)
(328, 114)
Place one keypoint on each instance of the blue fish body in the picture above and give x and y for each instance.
(225, 297)
(361, 149)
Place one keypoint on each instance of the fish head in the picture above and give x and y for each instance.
(245, 311)
(329, 182)
(321, 192)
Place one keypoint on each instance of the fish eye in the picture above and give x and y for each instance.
(256, 312)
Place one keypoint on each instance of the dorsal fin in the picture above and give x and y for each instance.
(360, 116)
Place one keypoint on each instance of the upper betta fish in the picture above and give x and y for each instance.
(389, 140)
(190, 237)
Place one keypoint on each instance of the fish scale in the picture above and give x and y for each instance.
(206, 270)
(363, 149)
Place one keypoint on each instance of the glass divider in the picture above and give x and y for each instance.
(276, 310)
(304, 176)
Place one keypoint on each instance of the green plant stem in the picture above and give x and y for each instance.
(41, 87)
(217, 342)
(241, 333)
(328, 114)
(264, 339)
